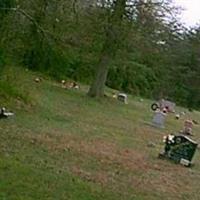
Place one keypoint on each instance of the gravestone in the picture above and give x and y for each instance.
(177, 116)
(4, 113)
(167, 104)
(159, 119)
(188, 125)
(123, 98)
(179, 148)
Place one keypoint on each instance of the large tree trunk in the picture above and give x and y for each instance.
(97, 87)
(109, 49)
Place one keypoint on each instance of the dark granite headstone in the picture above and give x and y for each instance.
(180, 149)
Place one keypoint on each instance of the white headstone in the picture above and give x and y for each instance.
(159, 119)
(122, 97)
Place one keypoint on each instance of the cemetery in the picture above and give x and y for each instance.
(66, 136)
(178, 147)
(99, 100)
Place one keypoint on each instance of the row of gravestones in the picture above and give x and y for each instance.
(179, 147)
(159, 121)
(164, 106)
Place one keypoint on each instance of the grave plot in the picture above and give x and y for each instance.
(159, 119)
(179, 148)
(69, 85)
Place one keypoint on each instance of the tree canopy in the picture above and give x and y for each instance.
(135, 46)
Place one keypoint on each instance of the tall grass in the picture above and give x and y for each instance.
(13, 86)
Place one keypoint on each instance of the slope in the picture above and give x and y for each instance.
(63, 145)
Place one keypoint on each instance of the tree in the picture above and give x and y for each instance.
(136, 46)
(109, 48)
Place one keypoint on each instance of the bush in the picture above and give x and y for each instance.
(2, 61)
(12, 89)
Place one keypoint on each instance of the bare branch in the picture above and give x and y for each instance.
(23, 12)
(40, 28)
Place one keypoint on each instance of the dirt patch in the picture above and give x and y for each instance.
(114, 163)
(105, 152)
(97, 177)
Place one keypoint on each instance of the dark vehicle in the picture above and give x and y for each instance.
(179, 148)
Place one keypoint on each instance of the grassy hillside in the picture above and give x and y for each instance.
(62, 145)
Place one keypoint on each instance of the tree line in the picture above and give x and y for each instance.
(135, 46)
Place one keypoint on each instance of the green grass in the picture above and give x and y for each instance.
(62, 145)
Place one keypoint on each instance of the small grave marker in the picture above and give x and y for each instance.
(122, 97)
(4, 113)
(188, 125)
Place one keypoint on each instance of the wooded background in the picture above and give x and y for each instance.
(135, 46)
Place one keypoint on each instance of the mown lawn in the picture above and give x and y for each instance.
(63, 145)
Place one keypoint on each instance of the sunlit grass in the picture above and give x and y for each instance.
(63, 145)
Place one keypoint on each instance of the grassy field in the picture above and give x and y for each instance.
(62, 145)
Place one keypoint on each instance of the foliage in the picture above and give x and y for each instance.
(2, 61)
(155, 55)
(132, 77)
(13, 87)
